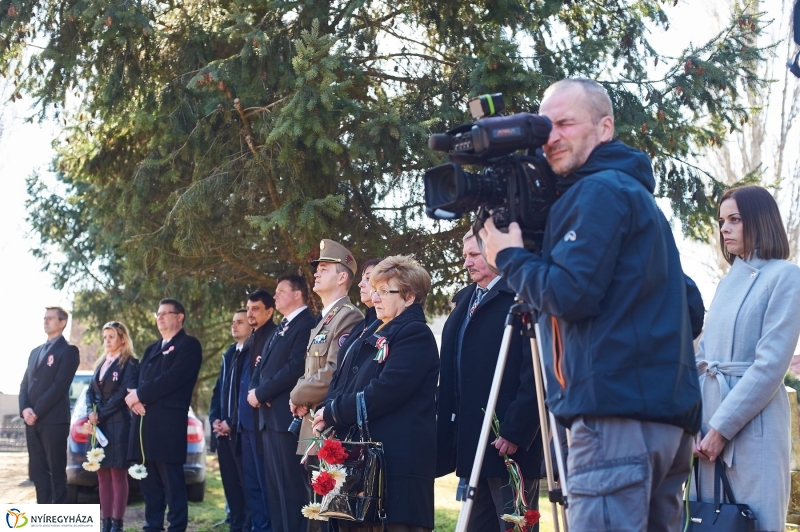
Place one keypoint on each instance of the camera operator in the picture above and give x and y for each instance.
(614, 317)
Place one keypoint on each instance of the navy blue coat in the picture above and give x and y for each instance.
(224, 398)
(165, 383)
(108, 396)
(278, 370)
(517, 409)
(610, 287)
(45, 388)
(400, 394)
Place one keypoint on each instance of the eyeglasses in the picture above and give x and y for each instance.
(162, 314)
(112, 325)
(382, 293)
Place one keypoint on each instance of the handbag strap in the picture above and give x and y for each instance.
(361, 417)
(721, 476)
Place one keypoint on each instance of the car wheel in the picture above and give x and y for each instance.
(72, 494)
(196, 492)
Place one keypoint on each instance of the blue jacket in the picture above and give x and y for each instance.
(614, 316)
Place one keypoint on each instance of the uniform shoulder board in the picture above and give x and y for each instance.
(351, 307)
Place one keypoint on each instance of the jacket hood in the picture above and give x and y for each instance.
(615, 155)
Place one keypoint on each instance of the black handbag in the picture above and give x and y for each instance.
(719, 516)
(362, 496)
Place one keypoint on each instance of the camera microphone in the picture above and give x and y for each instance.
(440, 142)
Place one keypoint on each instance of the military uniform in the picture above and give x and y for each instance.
(324, 343)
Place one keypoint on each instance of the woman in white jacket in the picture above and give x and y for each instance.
(750, 337)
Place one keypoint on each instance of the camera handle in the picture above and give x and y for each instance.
(520, 317)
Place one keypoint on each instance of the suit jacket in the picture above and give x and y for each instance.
(459, 418)
(321, 359)
(107, 395)
(165, 383)
(45, 388)
(753, 321)
(282, 363)
(400, 395)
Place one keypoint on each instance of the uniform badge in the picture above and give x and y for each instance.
(330, 316)
(50, 359)
(343, 339)
(115, 376)
(320, 338)
(321, 245)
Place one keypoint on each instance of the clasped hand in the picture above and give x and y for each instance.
(710, 446)
(132, 400)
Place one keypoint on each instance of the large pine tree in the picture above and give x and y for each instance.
(208, 146)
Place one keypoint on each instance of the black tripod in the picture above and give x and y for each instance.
(520, 317)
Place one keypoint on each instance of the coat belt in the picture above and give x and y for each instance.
(715, 372)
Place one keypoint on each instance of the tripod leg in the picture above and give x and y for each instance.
(549, 429)
(469, 499)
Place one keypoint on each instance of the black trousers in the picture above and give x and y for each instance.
(494, 498)
(230, 470)
(47, 461)
(164, 486)
(287, 490)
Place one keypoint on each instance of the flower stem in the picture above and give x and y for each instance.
(94, 427)
(141, 441)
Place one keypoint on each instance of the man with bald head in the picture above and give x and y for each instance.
(616, 317)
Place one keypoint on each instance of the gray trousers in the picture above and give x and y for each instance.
(626, 475)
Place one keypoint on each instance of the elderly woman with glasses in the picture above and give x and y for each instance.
(114, 373)
(395, 362)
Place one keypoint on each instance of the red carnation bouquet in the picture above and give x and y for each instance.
(332, 452)
(330, 476)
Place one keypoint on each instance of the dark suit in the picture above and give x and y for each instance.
(108, 396)
(224, 407)
(45, 389)
(464, 385)
(282, 363)
(167, 376)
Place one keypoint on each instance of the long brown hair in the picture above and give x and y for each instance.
(126, 353)
(762, 226)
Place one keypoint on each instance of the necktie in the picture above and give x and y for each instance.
(282, 327)
(479, 293)
(278, 332)
(42, 353)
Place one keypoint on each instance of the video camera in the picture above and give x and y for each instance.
(511, 188)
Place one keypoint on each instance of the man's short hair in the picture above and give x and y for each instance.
(62, 314)
(263, 296)
(467, 236)
(341, 268)
(177, 306)
(298, 283)
(241, 311)
(598, 102)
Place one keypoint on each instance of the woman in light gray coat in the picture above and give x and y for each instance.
(750, 336)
